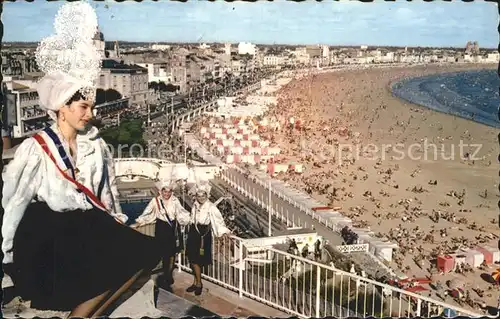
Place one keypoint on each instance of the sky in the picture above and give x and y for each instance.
(399, 23)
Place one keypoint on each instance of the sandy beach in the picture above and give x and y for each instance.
(421, 178)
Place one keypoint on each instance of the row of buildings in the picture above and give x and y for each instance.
(129, 73)
(189, 65)
(124, 82)
(326, 56)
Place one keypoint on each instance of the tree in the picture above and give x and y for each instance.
(103, 96)
(129, 132)
(124, 137)
(162, 86)
(171, 88)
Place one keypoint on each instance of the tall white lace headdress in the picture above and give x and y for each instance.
(68, 58)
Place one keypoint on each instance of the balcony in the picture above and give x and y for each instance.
(300, 286)
(32, 112)
(28, 102)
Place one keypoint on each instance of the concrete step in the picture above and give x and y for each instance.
(173, 306)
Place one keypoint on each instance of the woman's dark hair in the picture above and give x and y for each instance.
(75, 98)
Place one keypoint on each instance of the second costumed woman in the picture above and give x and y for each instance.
(206, 220)
(169, 215)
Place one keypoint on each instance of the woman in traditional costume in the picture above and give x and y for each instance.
(170, 216)
(206, 220)
(65, 243)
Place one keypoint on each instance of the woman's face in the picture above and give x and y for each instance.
(77, 114)
(201, 198)
(166, 193)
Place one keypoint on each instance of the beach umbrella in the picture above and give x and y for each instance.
(449, 313)
(457, 293)
(496, 276)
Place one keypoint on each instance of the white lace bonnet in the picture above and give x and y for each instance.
(165, 184)
(202, 187)
(69, 60)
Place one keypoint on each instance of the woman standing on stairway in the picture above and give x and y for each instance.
(169, 215)
(206, 221)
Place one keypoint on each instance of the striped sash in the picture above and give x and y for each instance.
(48, 138)
(160, 207)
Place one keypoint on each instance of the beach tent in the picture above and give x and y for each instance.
(457, 293)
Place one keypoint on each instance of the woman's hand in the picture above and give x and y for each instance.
(119, 221)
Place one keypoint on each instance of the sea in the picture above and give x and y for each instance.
(471, 94)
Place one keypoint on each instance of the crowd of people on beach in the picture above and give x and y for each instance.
(326, 121)
(323, 125)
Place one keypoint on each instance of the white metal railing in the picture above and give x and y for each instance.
(352, 248)
(335, 223)
(306, 288)
(275, 208)
(290, 219)
(259, 191)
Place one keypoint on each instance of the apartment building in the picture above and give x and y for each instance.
(247, 48)
(18, 64)
(158, 72)
(161, 47)
(275, 60)
(178, 62)
(314, 52)
(301, 56)
(130, 80)
(24, 116)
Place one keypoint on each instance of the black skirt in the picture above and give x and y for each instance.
(168, 238)
(195, 239)
(64, 259)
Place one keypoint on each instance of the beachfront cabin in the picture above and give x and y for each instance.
(446, 263)
(491, 254)
(474, 258)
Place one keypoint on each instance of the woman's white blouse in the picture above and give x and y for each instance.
(206, 214)
(173, 209)
(31, 175)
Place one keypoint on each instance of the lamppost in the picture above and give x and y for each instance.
(270, 207)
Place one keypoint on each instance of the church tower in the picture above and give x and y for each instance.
(99, 43)
(227, 48)
(117, 49)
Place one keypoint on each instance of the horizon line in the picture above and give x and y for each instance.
(275, 44)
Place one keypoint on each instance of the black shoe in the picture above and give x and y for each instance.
(191, 288)
(198, 290)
